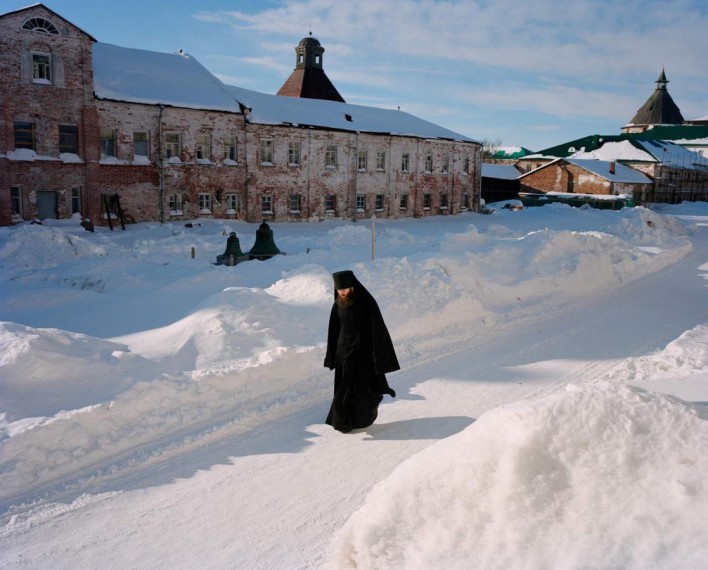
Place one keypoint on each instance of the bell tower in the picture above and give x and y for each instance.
(308, 79)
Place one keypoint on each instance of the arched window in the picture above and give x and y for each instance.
(40, 25)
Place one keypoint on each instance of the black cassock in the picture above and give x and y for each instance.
(360, 351)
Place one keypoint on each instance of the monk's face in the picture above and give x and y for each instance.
(345, 297)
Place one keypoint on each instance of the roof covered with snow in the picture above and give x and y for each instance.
(179, 80)
(602, 168)
(500, 171)
(605, 169)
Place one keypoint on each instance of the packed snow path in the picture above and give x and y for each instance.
(275, 496)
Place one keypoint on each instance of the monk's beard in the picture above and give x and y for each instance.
(347, 301)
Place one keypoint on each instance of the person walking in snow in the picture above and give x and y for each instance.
(360, 351)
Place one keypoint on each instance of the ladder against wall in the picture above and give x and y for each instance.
(111, 203)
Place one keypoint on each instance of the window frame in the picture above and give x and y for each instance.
(295, 203)
(145, 143)
(331, 156)
(68, 138)
(381, 161)
(109, 142)
(427, 200)
(202, 147)
(428, 166)
(380, 202)
(294, 153)
(204, 201)
(21, 130)
(405, 162)
(362, 159)
(16, 201)
(330, 203)
(267, 204)
(175, 204)
(403, 202)
(42, 68)
(267, 152)
(361, 203)
(173, 145)
(231, 148)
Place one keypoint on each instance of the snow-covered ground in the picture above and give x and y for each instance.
(160, 411)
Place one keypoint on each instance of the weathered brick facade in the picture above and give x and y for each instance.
(166, 162)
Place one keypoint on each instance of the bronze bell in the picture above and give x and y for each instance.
(233, 253)
(265, 247)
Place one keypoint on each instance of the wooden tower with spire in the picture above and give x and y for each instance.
(308, 79)
(659, 109)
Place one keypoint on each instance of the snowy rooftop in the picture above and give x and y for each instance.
(179, 80)
(501, 171)
(604, 168)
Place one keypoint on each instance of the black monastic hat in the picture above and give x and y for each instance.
(343, 279)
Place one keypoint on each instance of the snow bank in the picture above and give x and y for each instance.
(243, 341)
(598, 476)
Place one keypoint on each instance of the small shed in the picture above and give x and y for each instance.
(499, 182)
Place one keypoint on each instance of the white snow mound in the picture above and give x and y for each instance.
(597, 476)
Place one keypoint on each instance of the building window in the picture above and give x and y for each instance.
(427, 201)
(267, 151)
(108, 143)
(267, 204)
(16, 201)
(40, 25)
(466, 165)
(141, 144)
(24, 135)
(294, 153)
(175, 204)
(380, 161)
(330, 203)
(405, 162)
(360, 203)
(428, 163)
(42, 68)
(203, 147)
(173, 146)
(295, 201)
(69, 139)
(403, 204)
(331, 156)
(465, 201)
(379, 202)
(204, 203)
(231, 203)
(361, 161)
(230, 149)
(443, 201)
(76, 200)
(445, 169)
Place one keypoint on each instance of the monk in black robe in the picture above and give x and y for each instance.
(360, 351)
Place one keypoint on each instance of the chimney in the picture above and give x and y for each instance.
(612, 167)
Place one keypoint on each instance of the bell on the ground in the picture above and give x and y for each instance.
(233, 253)
(265, 247)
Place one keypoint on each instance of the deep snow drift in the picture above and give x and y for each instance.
(119, 352)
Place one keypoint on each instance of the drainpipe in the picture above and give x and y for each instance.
(161, 168)
(309, 171)
(356, 174)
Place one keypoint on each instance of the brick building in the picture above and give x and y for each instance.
(589, 176)
(99, 131)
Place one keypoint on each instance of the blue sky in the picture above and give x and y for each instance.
(532, 74)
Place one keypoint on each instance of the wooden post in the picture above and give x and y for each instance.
(373, 237)
(193, 253)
